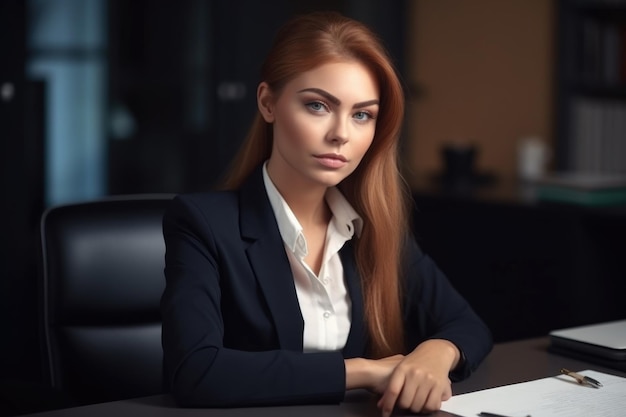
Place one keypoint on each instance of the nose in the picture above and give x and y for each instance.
(338, 133)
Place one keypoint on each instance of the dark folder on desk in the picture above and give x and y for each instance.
(603, 343)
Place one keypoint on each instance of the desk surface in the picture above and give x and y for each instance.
(508, 363)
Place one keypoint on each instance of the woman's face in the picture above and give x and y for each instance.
(324, 121)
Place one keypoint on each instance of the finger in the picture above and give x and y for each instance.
(414, 391)
(416, 388)
(447, 392)
(431, 403)
(388, 400)
(437, 394)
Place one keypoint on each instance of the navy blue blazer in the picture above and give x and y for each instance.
(232, 326)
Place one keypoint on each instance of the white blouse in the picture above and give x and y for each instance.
(324, 300)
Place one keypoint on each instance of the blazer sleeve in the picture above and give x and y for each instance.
(435, 310)
(199, 369)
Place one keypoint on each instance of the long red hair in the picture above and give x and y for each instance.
(375, 188)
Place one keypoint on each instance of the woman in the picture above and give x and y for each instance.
(300, 280)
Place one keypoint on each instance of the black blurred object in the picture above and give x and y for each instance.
(25, 397)
(460, 168)
(102, 279)
(187, 77)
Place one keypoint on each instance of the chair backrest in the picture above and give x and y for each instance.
(102, 279)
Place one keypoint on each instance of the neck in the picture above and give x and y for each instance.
(310, 210)
(305, 201)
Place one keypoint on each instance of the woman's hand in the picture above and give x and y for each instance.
(370, 374)
(419, 382)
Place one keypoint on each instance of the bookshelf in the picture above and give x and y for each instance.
(591, 86)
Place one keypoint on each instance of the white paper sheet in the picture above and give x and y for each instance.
(558, 396)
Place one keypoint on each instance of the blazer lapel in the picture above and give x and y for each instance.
(357, 338)
(269, 261)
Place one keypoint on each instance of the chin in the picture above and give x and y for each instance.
(330, 180)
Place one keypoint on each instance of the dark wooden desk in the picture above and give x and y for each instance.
(508, 363)
(520, 262)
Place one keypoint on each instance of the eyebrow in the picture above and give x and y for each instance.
(335, 100)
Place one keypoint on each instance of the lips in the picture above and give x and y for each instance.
(332, 160)
(333, 156)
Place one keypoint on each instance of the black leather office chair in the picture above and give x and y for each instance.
(102, 278)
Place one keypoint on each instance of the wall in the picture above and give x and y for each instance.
(484, 69)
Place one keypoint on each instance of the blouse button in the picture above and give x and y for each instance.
(326, 314)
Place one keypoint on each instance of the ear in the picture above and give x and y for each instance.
(265, 101)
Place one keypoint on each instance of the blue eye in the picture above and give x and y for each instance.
(363, 115)
(316, 106)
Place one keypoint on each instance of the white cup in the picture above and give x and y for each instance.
(532, 158)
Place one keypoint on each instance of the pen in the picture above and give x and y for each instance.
(487, 414)
(581, 378)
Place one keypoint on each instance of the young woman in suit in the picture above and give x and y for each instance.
(301, 280)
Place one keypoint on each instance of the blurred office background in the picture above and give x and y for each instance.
(104, 97)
